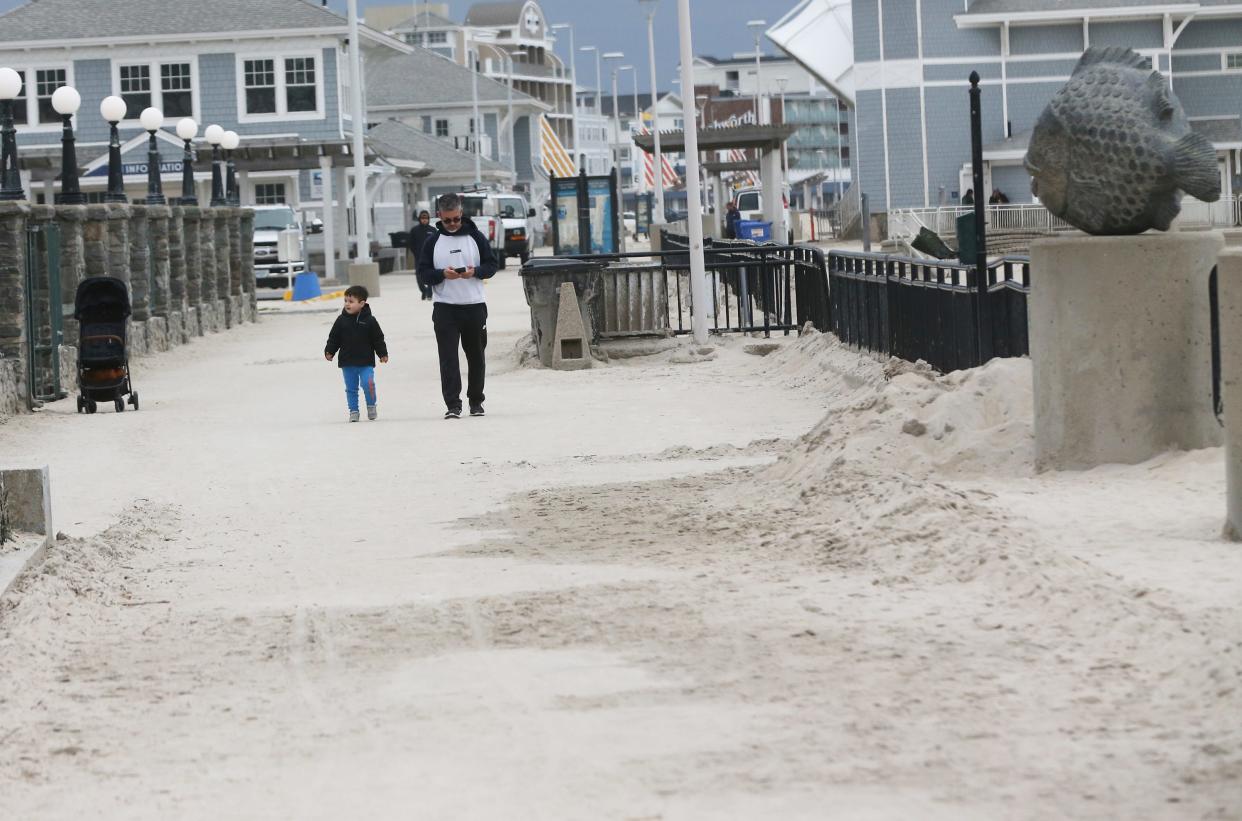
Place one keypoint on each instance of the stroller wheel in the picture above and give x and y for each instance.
(81, 404)
(119, 404)
(133, 400)
(91, 407)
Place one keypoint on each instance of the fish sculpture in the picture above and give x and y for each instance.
(1113, 151)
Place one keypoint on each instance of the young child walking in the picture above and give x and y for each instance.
(357, 335)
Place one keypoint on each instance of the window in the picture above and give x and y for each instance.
(47, 80)
(300, 84)
(442, 128)
(175, 93)
(269, 193)
(135, 89)
(731, 80)
(437, 38)
(414, 38)
(279, 86)
(1233, 62)
(260, 78)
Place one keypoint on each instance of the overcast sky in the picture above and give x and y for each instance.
(618, 25)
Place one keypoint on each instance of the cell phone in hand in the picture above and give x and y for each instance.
(460, 270)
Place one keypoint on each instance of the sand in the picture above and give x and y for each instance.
(811, 584)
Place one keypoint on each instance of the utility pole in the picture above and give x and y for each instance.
(362, 221)
(657, 219)
(698, 270)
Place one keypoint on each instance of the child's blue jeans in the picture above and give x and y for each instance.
(354, 377)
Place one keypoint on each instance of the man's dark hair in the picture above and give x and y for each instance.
(448, 202)
(357, 292)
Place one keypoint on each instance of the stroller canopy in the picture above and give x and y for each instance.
(101, 299)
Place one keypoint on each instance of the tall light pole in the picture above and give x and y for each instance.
(630, 143)
(780, 84)
(615, 153)
(599, 80)
(657, 160)
(573, 86)
(757, 26)
(473, 57)
(698, 271)
(362, 220)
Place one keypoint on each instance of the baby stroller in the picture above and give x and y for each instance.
(101, 308)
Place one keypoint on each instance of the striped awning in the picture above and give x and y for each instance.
(556, 160)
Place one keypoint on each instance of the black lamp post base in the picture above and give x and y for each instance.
(156, 199)
(69, 199)
(12, 195)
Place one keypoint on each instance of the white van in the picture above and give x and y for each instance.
(750, 204)
(516, 217)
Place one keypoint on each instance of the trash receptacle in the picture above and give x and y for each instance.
(754, 230)
(541, 282)
(399, 239)
(966, 239)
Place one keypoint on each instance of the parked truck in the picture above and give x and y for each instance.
(279, 250)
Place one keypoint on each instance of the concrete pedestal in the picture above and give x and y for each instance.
(1229, 290)
(367, 275)
(1121, 347)
(542, 281)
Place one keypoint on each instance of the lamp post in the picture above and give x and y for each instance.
(229, 143)
(698, 270)
(187, 130)
(113, 109)
(599, 81)
(615, 153)
(10, 176)
(757, 26)
(475, 122)
(573, 85)
(637, 119)
(781, 82)
(362, 212)
(152, 119)
(66, 101)
(214, 134)
(658, 159)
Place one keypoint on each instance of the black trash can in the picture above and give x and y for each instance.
(541, 282)
(399, 239)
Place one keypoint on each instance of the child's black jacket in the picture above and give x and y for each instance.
(358, 338)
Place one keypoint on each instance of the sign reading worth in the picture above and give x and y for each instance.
(130, 169)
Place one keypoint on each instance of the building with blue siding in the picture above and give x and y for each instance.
(912, 60)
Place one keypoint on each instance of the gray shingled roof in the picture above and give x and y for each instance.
(495, 14)
(423, 78)
(425, 20)
(1019, 6)
(396, 140)
(83, 19)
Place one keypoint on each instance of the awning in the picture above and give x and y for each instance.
(761, 137)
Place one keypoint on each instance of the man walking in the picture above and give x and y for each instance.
(455, 260)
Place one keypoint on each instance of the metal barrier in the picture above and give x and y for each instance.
(921, 309)
(45, 322)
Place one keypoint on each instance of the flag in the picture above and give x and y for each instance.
(670, 174)
(555, 159)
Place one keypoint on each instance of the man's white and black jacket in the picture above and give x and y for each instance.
(465, 248)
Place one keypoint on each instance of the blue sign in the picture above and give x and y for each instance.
(139, 169)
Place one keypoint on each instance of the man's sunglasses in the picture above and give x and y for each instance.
(450, 220)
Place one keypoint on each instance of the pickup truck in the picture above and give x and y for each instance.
(279, 250)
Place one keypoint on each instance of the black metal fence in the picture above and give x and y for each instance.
(928, 309)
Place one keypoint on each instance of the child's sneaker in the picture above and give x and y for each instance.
(372, 412)
(353, 416)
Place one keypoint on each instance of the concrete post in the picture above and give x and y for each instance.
(247, 265)
(206, 225)
(1229, 291)
(340, 184)
(1121, 347)
(176, 275)
(13, 348)
(223, 284)
(329, 218)
(773, 194)
(72, 222)
(139, 261)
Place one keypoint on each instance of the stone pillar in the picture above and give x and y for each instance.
(13, 349)
(72, 222)
(235, 267)
(207, 269)
(118, 241)
(158, 300)
(223, 286)
(139, 263)
(1121, 347)
(176, 275)
(42, 300)
(191, 224)
(247, 265)
(95, 241)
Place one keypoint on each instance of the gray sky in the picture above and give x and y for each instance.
(617, 25)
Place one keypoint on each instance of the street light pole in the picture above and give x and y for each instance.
(599, 80)
(657, 160)
(757, 26)
(362, 221)
(638, 119)
(573, 87)
(780, 84)
(66, 101)
(698, 270)
(473, 57)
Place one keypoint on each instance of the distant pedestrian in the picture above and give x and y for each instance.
(969, 197)
(998, 197)
(418, 236)
(732, 218)
(455, 260)
(357, 335)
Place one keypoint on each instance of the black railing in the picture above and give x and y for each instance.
(927, 309)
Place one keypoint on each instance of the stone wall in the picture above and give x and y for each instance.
(190, 272)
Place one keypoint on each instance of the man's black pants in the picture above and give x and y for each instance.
(467, 325)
